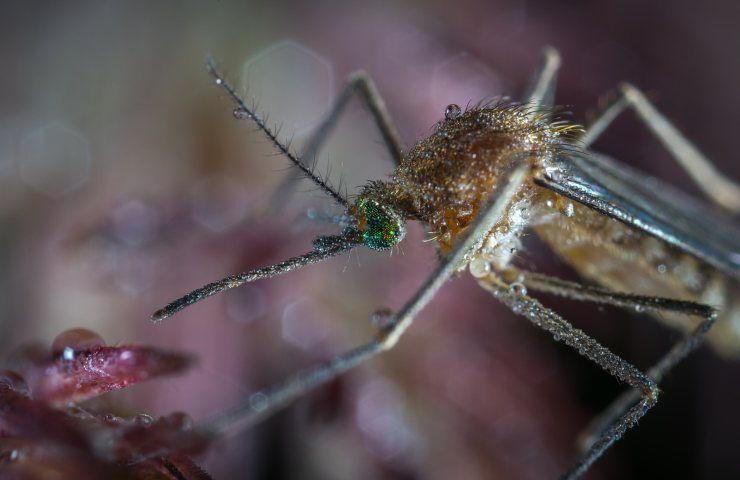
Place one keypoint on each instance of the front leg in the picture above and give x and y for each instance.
(361, 85)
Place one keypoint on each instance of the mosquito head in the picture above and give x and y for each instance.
(380, 226)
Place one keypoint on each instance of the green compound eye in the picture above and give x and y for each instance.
(383, 230)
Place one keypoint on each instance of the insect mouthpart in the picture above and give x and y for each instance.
(380, 226)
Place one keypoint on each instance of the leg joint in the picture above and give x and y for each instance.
(629, 91)
(650, 391)
(357, 76)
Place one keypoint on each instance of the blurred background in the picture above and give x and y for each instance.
(126, 181)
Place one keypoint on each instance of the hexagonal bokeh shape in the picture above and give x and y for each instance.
(54, 159)
(292, 85)
(462, 79)
(219, 203)
(303, 325)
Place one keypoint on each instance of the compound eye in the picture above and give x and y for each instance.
(383, 230)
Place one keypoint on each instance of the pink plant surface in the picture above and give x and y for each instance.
(47, 432)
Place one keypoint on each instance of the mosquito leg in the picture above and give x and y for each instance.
(714, 184)
(548, 320)
(361, 84)
(677, 353)
(541, 90)
(589, 293)
(268, 401)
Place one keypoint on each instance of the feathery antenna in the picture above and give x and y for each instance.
(242, 111)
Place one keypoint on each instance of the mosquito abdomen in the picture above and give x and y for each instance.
(614, 255)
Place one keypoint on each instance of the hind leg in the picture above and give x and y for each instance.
(678, 352)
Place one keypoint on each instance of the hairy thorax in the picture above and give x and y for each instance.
(445, 178)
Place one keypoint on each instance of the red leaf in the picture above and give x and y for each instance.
(39, 438)
(79, 375)
(20, 416)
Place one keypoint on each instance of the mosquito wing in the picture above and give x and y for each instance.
(626, 194)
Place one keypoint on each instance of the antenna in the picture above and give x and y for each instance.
(242, 111)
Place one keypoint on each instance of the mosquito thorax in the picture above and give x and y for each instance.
(446, 177)
(379, 225)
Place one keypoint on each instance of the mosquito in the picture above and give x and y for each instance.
(487, 175)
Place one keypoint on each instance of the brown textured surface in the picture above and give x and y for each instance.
(444, 179)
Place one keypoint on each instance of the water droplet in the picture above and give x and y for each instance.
(240, 113)
(639, 308)
(143, 419)
(550, 204)
(14, 381)
(517, 289)
(68, 353)
(452, 111)
(75, 340)
(556, 337)
(554, 174)
(219, 81)
(111, 419)
(569, 210)
(9, 455)
(480, 268)
(258, 401)
(662, 268)
(382, 319)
